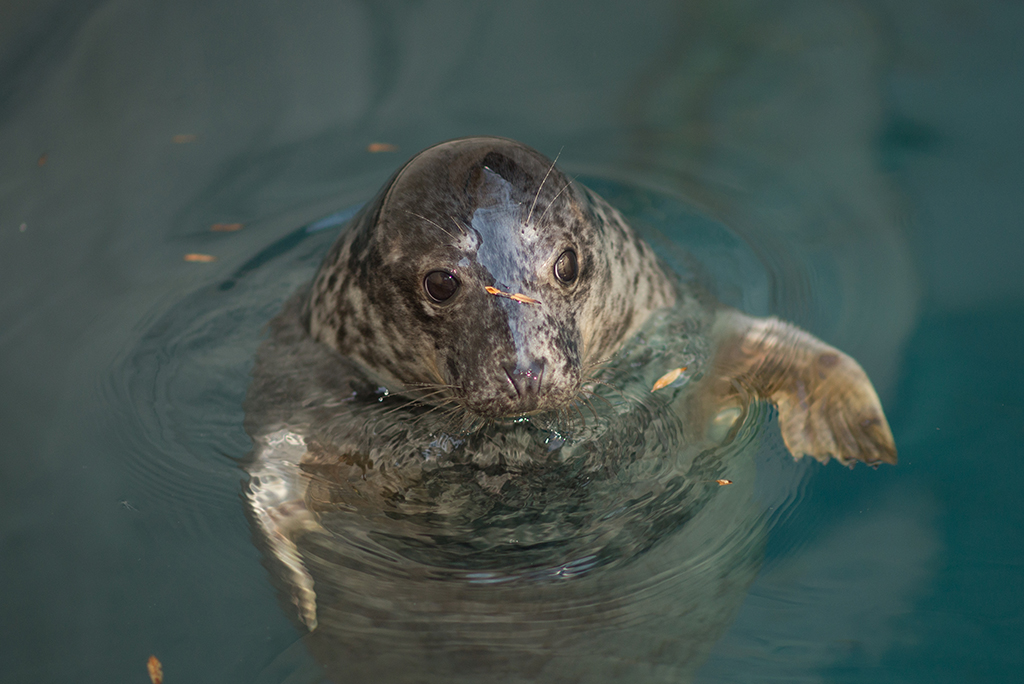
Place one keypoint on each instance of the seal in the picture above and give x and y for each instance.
(410, 294)
(431, 391)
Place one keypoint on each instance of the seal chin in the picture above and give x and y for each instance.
(514, 405)
(496, 410)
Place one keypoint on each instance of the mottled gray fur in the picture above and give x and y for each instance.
(493, 213)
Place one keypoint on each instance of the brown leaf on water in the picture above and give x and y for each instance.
(722, 483)
(42, 160)
(381, 147)
(226, 227)
(200, 257)
(668, 378)
(182, 138)
(156, 670)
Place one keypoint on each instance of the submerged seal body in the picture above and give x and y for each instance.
(460, 467)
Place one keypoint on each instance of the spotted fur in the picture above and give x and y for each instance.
(494, 213)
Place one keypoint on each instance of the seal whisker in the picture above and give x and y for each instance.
(590, 366)
(589, 403)
(429, 388)
(606, 400)
(444, 408)
(563, 416)
(541, 186)
(582, 415)
(562, 422)
(560, 414)
(436, 372)
(586, 346)
(552, 202)
(623, 397)
(401, 407)
(411, 401)
(440, 385)
(583, 395)
(469, 422)
(576, 420)
(433, 223)
(585, 401)
(446, 419)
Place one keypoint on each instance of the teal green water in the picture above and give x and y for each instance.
(854, 167)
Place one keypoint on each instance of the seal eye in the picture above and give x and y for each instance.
(440, 285)
(566, 268)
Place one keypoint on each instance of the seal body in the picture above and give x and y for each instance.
(460, 470)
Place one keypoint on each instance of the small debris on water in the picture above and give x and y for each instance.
(200, 257)
(381, 147)
(226, 227)
(514, 297)
(668, 378)
(722, 483)
(156, 670)
(182, 138)
(42, 160)
(23, 227)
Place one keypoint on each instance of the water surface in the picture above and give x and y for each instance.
(861, 158)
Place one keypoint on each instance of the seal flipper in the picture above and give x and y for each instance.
(276, 497)
(827, 405)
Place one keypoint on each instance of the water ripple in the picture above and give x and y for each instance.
(618, 546)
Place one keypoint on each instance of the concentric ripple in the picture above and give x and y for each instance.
(596, 546)
(178, 391)
(552, 547)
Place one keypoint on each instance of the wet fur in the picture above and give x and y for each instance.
(498, 215)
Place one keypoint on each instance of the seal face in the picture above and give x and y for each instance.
(482, 276)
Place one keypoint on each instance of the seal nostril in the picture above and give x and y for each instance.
(526, 379)
(511, 374)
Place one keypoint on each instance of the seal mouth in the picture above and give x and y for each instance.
(520, 400)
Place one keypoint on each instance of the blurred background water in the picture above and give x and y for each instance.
(865, 155)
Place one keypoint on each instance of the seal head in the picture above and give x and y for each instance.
(482, 275)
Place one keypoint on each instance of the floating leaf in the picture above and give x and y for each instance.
(200, 257)
(668, 378)
(225, 227)
(722, 483)
(156, 670)
(381, 147)
(183, 138)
